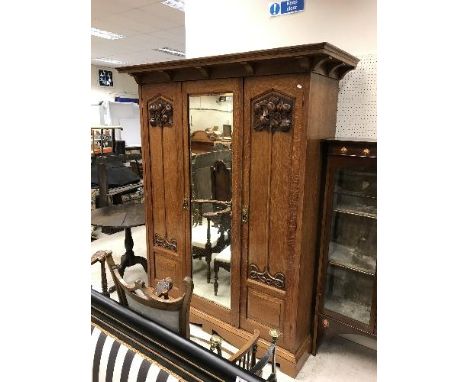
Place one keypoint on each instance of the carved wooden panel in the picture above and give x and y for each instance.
(160, 112)
(273, 111)
(160, 241)
(271, 179)
(164, 192)
(277, 280)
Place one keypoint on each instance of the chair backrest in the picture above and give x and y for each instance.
(172, 313)
(221, 181)
(137, 167)
(246, 355)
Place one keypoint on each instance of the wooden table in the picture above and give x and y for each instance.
(122, 216)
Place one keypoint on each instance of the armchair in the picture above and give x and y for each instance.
(246, 358)
(154, 303)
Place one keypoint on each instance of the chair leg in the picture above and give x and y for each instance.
(105, 291)
(208, 273)
(216, 269)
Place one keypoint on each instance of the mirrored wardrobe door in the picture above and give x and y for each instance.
(213, 191)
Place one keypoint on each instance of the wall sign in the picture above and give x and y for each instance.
(105, 78)
(286, 7)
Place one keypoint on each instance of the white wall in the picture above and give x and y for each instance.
(243, 25)
(124, 86)
(228, 26)
(219, 113)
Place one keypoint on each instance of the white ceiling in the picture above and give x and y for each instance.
(146, 25)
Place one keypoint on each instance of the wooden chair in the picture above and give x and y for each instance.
(221, 190)
(221, 260)
(246, 358)
(155, 304)
(100, 256)
(221, 181)
(203, 245)
(137, 167)
(246, 355)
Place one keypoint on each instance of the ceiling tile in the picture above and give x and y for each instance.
(146, 25)
(163, 11)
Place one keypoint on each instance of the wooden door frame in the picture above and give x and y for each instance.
(283, 297)
(235, 86)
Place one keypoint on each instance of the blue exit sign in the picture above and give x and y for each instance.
(285, 7)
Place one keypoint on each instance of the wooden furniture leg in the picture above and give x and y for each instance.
(101, 257)
(208, 249)
(216, 270)
(129, 258)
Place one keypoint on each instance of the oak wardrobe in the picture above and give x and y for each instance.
(231, 152)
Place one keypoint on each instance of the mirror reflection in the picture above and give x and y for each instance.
(211, 121)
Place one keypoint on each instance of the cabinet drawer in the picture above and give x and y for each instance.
(352, 150)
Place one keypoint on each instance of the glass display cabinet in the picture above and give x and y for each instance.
(347, 278)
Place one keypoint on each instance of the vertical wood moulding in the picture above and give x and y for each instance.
(147, 184)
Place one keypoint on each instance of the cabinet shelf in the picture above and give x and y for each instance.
(364, 211)
(351, 268)
(348, 308)
(345, 257)
(357, 194)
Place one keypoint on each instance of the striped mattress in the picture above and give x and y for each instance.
(115, 361)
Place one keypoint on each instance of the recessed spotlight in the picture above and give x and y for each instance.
(105, 34)
(109, 61)
(171, 51)
(176, 4)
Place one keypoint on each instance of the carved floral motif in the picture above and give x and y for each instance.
(273, 112)
(278, 280)
(161, 241)
(160, 112)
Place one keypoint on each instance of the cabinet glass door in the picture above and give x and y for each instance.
(352, 247)
(211, 122)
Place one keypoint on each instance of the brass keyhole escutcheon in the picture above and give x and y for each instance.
(344, 150)
(185, 204)
(245, 215)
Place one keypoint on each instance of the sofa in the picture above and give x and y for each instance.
(128, 347)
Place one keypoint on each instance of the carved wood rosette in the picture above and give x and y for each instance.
(278, 280)
(273, 111)
(160, 112)
(161, 241)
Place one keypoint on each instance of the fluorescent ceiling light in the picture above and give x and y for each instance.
(105, 34)
(171, 51)
(177, 4)
(109, 61)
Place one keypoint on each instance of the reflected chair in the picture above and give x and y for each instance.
(207, 239)
(221, 260)
(155, 303)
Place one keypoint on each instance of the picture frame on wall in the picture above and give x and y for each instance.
(105, 78)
